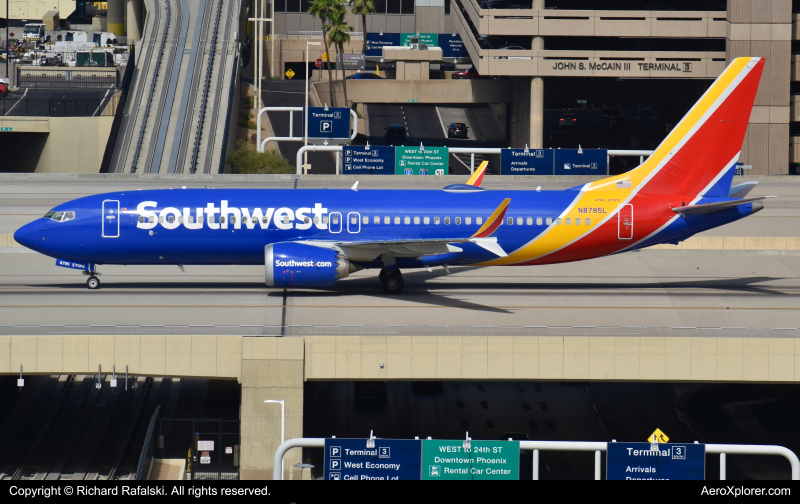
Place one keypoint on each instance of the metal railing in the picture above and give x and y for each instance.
(576, 446)
(261, 145)
(148, 448)
(66, 77)
(53, 108)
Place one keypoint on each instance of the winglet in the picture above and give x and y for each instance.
(477, 177)
(494, 220)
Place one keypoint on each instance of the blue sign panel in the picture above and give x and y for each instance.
(371, 160)
(376, 41)
(74, 265)
(591, 162)
(330, 123)
(452, 46)
(390, 459)
(520, 162)
(672, 461)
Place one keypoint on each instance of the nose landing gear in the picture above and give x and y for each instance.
(392, 281)
(93, 282)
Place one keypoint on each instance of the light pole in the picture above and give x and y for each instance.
(305, 123)
(283, 422)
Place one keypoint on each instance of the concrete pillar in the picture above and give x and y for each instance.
(272, 368)
(766, 32)
(429, 16)
(134, 21)
(537, 113)
(538, 4)
(116, 17)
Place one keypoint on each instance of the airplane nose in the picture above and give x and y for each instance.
(26, 236)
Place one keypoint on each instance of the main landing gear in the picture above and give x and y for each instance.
(391, 281)
(93, 282)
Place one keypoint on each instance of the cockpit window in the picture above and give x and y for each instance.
(59, 216)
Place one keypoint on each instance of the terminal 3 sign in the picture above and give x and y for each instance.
(640, 67)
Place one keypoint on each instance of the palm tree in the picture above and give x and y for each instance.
(339, 34)
(323, 9)
(362, 8)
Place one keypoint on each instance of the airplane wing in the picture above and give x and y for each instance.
(708, 208)
(368, 250)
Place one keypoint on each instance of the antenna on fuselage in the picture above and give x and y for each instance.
(355, 186)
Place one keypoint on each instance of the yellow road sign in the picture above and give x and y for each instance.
(290, 73)
(658, 437)
(324, 56)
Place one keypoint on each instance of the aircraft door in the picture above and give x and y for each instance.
(353, 222)
(111, 219)
(335, 222)
(625, 222)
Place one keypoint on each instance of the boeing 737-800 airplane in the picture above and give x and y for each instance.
(316, 237)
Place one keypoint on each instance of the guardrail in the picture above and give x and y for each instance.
(452, 150)
(577, 446)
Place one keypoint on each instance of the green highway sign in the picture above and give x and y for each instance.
(414, 161)
(429, 39)
(484, 460)
(5, 129)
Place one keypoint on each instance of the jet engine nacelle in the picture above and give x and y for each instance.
(300, 265)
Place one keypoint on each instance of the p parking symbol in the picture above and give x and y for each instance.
(325, 126)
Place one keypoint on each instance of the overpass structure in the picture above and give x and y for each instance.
(185, 85)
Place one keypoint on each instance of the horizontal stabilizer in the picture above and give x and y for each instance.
(709, 208)
(742, 190)
(491, 245)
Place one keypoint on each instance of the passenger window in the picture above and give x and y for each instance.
(447, 221)
(171, 219)
(416, 220)
(377, 220)
(578, 221)
(153, 219)
(222, 220)
(558, 221)
(335, 219)
(529, 221)
(264, 220)
(436, 220)
(160, 219)
(588, 221)
(510, 221)
(426, 220)
(306, 220)
(569, 221)
(191, 219)
(467, 220)
(407, 220)
(353, 220)
(180, 220)
(316, 220)
(397, 220)
(255, 220)
(387, 220)
(479, 221)
(141, 219)
(233, 219)
(538, 221)
(519, 221)
(365, 220)
(199, 220)
(458, 221)
(549, 220)
(285, 219)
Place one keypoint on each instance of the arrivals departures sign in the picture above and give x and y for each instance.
(389, 459)
(663, 461)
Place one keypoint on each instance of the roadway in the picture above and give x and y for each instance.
(649, 293)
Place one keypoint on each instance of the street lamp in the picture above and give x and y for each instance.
(283, 422)
(305, 125)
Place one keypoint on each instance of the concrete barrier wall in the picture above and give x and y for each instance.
(424, 91)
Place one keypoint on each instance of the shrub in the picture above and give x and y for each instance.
(246, 159)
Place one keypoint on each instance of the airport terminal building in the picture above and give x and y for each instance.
(646, 62)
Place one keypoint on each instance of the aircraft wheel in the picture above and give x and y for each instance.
(93, 283)
(392, 283)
